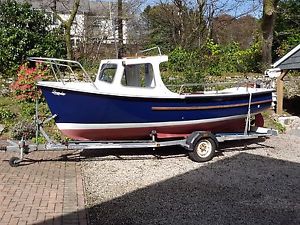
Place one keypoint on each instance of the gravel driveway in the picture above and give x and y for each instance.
(255, 185)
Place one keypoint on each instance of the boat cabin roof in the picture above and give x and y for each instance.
(139, 59)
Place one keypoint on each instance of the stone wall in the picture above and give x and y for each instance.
(4, 86)
(291, 86)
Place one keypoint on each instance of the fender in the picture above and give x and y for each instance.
(194, 137)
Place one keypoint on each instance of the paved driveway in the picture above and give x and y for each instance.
(46, 188)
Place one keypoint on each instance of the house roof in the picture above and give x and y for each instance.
(290, 61)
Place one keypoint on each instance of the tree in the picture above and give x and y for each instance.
(189, 24)
(161, 30)
(180, 26)
(228, 29)
(120, 29)
(25, 32)
(267, 27)
(67, 24)
(287, 27)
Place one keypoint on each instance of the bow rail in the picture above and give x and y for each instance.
(58, 67)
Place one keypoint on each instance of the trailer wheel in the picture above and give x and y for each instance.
(204, 150)
(14, 161)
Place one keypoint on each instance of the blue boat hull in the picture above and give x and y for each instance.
(96, 116)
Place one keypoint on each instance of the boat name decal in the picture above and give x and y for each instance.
(58, 93)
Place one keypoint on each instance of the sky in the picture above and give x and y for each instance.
(232, 7)
(235, 8)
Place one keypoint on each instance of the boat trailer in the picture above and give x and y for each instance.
(201, 145)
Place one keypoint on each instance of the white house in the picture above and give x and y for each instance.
(95, 21)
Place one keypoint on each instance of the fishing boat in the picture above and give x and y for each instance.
(128, 100)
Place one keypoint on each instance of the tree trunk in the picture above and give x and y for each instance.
(53, 5)
(67, 24)
(268, 21)
(68, 42)
(120, 29)
(201, 25)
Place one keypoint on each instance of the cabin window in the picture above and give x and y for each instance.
(107, 72)
(140, 75)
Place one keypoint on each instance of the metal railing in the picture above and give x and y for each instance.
(148, 50)
(58, 67)
(219, 86)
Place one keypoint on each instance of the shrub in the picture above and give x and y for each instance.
(179, 60)
(186, 65)
(27, 110)
(231, 58)
(213, 59)
(25, 32)
(24, 88)
(23, 129)
(6, 114)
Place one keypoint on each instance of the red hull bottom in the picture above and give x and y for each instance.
(174, 131)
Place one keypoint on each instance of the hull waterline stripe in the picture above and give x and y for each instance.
(78, 126)
(208, 107)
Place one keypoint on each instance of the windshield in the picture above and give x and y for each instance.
(139, 75)
(107, 72)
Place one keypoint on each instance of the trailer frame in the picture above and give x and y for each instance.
(201, 145)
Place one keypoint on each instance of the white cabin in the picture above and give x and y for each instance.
(133, 76)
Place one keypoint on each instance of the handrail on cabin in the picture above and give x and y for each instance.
(64, 63)
(205, 85)
(149, 49)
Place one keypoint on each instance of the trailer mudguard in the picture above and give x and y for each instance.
(194, 137)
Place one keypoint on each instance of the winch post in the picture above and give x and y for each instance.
(247, 126)
(39, 125)
(42, 131)
(153, 136)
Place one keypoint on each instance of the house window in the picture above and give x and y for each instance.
(140, 75)
(107, 72)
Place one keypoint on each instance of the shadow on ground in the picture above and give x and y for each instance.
(291, 105)
(243, 189)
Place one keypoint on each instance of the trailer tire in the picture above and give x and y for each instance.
(204, 150)
(14, 161)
